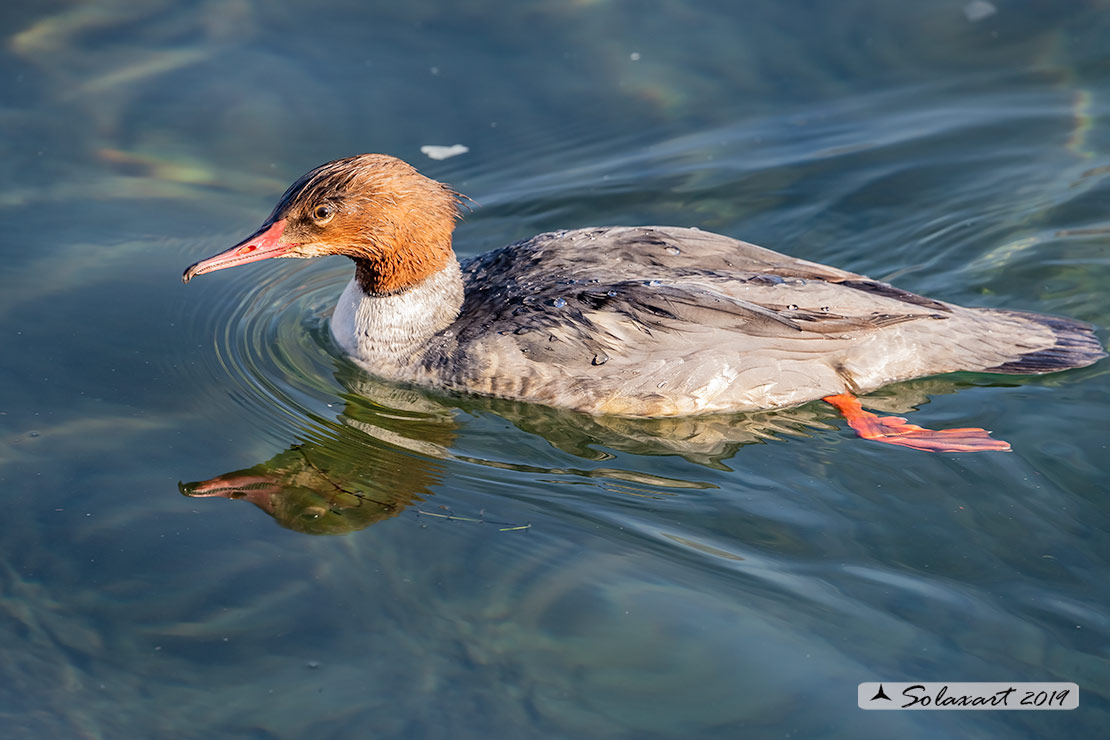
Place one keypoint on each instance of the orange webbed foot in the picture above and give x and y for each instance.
(895, 430)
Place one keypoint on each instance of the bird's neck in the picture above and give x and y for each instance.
(388, 333)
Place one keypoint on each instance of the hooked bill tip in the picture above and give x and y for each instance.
(191, 272)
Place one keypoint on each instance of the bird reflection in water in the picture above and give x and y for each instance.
(390, 446)
(386, 452)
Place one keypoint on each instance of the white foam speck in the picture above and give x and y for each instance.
(978, 10)
(444, 152)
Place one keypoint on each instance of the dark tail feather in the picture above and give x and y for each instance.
(1076, 346)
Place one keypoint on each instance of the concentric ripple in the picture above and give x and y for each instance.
(271, 353)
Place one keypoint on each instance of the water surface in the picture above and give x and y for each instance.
(491, 569)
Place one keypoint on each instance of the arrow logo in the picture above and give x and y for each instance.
(881, 694)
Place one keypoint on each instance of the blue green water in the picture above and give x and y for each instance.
(495, 569)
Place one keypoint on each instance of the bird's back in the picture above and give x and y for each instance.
(656, 321)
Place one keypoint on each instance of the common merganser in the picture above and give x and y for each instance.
(641, 321)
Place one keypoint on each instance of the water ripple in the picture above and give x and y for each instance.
(270, 350)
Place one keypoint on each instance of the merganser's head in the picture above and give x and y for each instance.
(394, 222)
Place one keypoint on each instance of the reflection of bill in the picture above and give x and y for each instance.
(967, 695)
(387, 453)
(310, 496)
(391, 443)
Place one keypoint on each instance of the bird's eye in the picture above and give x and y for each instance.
(322, 214)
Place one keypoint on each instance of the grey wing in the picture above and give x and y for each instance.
(693, 339)
(605, 254)
(658, 281)
(643, 251)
